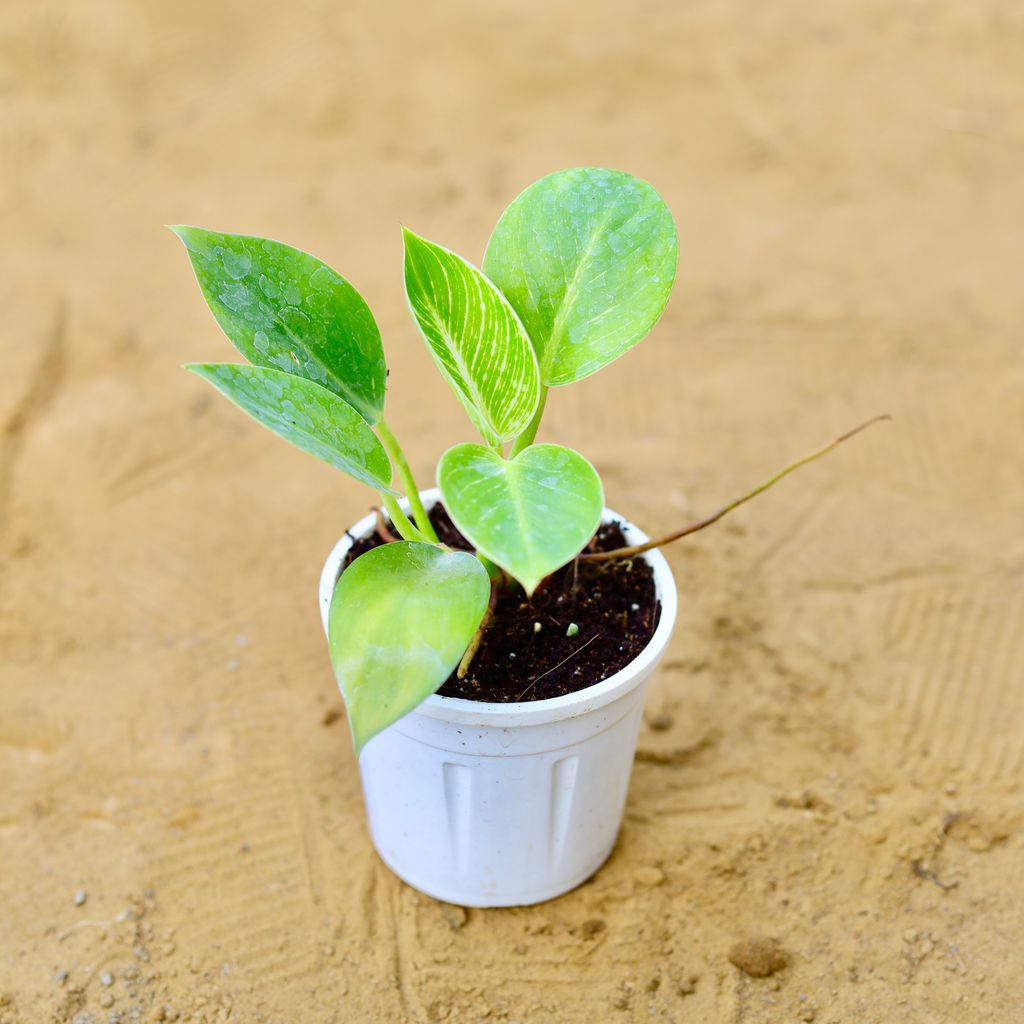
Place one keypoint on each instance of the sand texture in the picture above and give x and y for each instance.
(825, 817)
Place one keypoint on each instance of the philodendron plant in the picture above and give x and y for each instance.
(577, 271)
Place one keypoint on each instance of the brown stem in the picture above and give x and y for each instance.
(700, 524)
(386, 535)
(478, 636)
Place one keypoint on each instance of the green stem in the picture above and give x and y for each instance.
(397, 456)
(525, 439)
(400, 520)
(492, 570)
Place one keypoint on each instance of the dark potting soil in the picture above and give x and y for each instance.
(527, 652)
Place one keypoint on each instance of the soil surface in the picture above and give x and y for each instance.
(828, 784)
(583, 623)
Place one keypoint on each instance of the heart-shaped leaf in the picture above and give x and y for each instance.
(530, 514)
(475, 337)
(587, 257)
(401, 618)
(311, 417)
(284, 308)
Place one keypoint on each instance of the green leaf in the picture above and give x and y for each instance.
(311, 417)
(475, 337)
(530, 514)
(587, 257)
(401, 618)
(283, 308)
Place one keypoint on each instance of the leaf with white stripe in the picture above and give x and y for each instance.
(530, 514)
(475, 337)
(306, 414)
(587, 257)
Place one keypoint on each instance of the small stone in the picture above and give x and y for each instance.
(978, 844)
(537, 627)
(61, 977)
(456, 916)
(759, 957)
(159, 1014)
(80, 897)
(808, 1013)
(661, 721)
(688, 985)
(328, 951)
(572, 630)
(106, 1000)
(910, 935)
(649, 876)
(106, 979)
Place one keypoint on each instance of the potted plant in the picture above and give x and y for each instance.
(492, 638)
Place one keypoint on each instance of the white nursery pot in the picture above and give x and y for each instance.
(497, 805)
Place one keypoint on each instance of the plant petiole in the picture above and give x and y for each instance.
(497, 576)
(478, 636)
(525, 439)
(401, 522)
(397, 456)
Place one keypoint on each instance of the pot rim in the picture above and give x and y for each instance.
(460, 711)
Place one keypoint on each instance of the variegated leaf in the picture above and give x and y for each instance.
(475, 337)
(530, 514)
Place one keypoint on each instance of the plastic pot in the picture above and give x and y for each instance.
(496, 805)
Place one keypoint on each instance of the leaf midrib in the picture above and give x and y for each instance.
(569, 295)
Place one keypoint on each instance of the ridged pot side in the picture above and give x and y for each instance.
(487, 804)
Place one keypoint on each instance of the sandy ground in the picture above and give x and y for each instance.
(840, 759)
